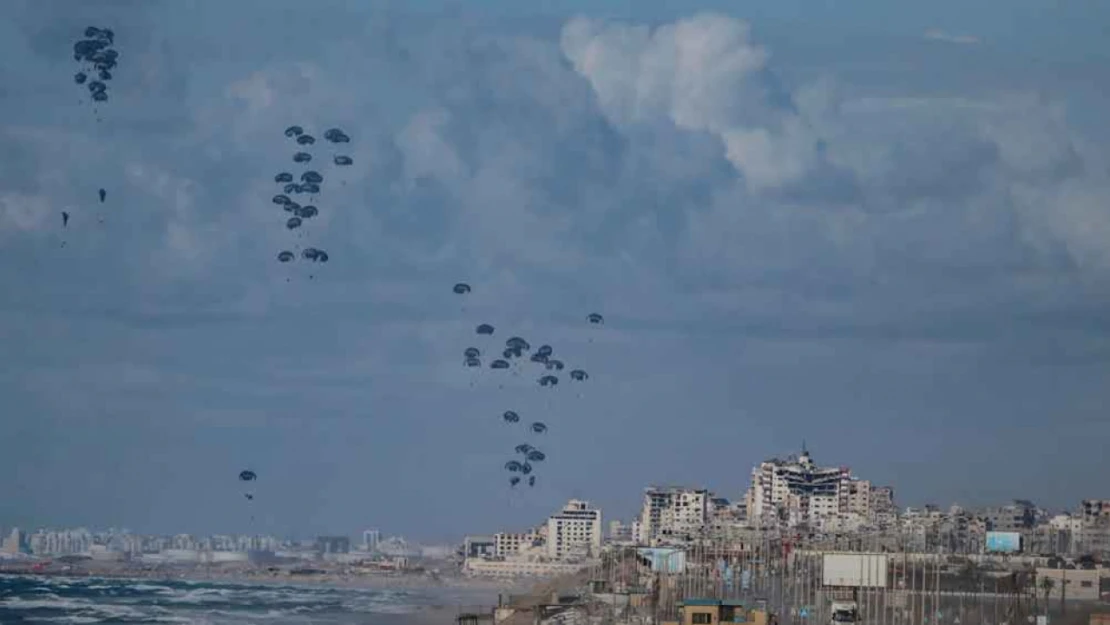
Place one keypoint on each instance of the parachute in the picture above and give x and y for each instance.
(286, 256)
(294, 131)
(283, 177)
(342, 161)
(511, 417)
(539, 427)
(306, 140)
(311, 176)
(461, 288)
(293, 223)
(596, 319)
(65, 219)
(485, 329)
(302, 157)
(247, 476)
(499, 364)
(536, 456)
(335, 135)
(548, 380)
(514, 480)
(471, 352)
(514, 466)
(579, 375)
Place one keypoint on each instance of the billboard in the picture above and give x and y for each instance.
(1003, 542)
(663, 559)
(856, 570)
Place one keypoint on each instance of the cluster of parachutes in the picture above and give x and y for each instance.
(308, 183)
(513, 357)
(97, 59)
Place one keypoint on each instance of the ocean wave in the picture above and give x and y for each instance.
(200, 602)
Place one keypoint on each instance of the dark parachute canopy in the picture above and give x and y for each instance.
(247, 476)
(281, 199)
(556, 365)
(524, 448)
(539, 358)
(306, 140)
(485, 329)
(532, 481)
(302, 157)
(499, 364)
(471, 352)
(294, 131)
(526, 468)
(306, 212)
(517, 344)
(514, 466)
(536, 455)
(312, 177)
(293, 223)
(539, 427)
(285, 256)
(579, 375)
(473, 362)
(283, 177)
(343, 161)
(548, 380)
(315, 255)
(511, 417)
(335, 135)
(545, 350)
(103, 194)
(291, 187)
(514, 480)
(461, 288)
(595, 318)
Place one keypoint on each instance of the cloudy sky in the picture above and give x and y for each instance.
(880, 228)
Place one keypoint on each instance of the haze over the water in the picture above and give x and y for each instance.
(881, 230)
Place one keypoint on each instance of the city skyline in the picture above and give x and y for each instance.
(789, 235)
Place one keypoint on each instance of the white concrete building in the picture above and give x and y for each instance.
(509, 544)
(574, 532)
(673, 513)
(796, 491)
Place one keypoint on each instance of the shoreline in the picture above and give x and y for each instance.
(245, 578)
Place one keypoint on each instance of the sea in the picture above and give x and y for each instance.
(33, 599)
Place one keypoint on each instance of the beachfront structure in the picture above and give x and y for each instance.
(509, 544)
(796, 491)
(673, 513)
(371, 538)
(574, 531)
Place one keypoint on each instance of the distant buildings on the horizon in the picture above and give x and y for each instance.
(794, 496)
(789, 498)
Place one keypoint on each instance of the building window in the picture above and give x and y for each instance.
(701, 618)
